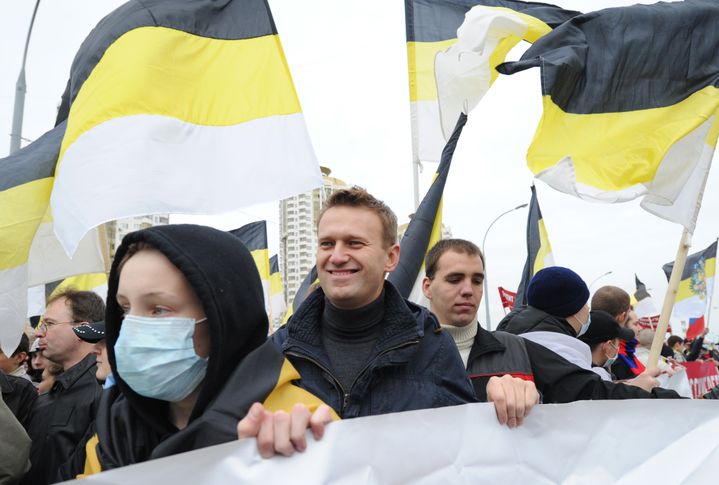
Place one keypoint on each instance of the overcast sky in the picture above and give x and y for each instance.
(349, 63)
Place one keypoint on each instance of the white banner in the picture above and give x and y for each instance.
(633, 442)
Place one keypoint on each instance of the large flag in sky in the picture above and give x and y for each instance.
(278, 305)
(179, 107)
(539, 251)
(425, 228)
(30, 255)
(254, 237)
(696, 286)
(631, 98)
(431, 27)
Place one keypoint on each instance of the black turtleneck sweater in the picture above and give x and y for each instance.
(349, 337)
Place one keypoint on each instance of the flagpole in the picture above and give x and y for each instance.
(711, 296)
(669, 298)
(415, 178)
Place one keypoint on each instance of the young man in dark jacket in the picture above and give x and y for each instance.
(454, 270)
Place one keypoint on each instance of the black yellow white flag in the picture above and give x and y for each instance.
(425, 228)
(467, 70)
(631, 102)
(539, 251)
(278, 304)
(30, 255)
(179, 107)
(697, 284)
(254, 237)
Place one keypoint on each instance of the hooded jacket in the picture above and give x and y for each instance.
(224, 276)
(558, 376)
(530, 319)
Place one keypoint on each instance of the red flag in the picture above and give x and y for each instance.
(507, 298)
(702, 375)
(696, 327)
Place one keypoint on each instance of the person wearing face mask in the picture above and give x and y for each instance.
(553, 325)
(603, 338)
(556, 314)
(185, 306)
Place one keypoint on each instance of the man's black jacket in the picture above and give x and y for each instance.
(60, 419)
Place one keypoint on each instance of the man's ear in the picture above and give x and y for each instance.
(425, 287)
(392, 258)
(20, 357)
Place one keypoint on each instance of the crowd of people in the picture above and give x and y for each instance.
(179, 357)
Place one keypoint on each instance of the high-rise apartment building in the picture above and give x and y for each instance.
(298, 238)
(116, 230)
(401, 229)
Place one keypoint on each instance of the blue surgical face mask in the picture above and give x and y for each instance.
(156, 357)
(585, 326)
(612, 359)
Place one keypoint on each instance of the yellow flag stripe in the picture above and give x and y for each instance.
(535, 29)
(262, 262)
(275, 283)
(23, 208)
(285, 394)
(615, 151)
(544, 248)
(420, 58)
(210, 82)
(685, 286)
(83, 282)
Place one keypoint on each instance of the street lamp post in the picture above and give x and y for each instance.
(486, 284)
(599, 278)
(20, 90)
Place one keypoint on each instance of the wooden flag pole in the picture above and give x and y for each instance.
(104, 247)
(710, 298)
(669, 298)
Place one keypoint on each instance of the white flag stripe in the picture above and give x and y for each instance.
(152, 164)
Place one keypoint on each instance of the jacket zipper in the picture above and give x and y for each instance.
(346, 395)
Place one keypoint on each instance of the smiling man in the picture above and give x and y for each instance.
(357, 344)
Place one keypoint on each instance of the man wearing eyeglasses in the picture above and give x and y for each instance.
(63, 415)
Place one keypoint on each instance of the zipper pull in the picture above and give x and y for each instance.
(346, 400)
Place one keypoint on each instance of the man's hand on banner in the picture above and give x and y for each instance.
(280, 432)
(513, 398)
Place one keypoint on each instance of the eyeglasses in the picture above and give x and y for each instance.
(45, 325)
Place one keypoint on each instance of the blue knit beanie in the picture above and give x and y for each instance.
(557, 291)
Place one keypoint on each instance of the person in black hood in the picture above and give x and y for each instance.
(172, 287)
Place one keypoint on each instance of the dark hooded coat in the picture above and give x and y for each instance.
(224, 276)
